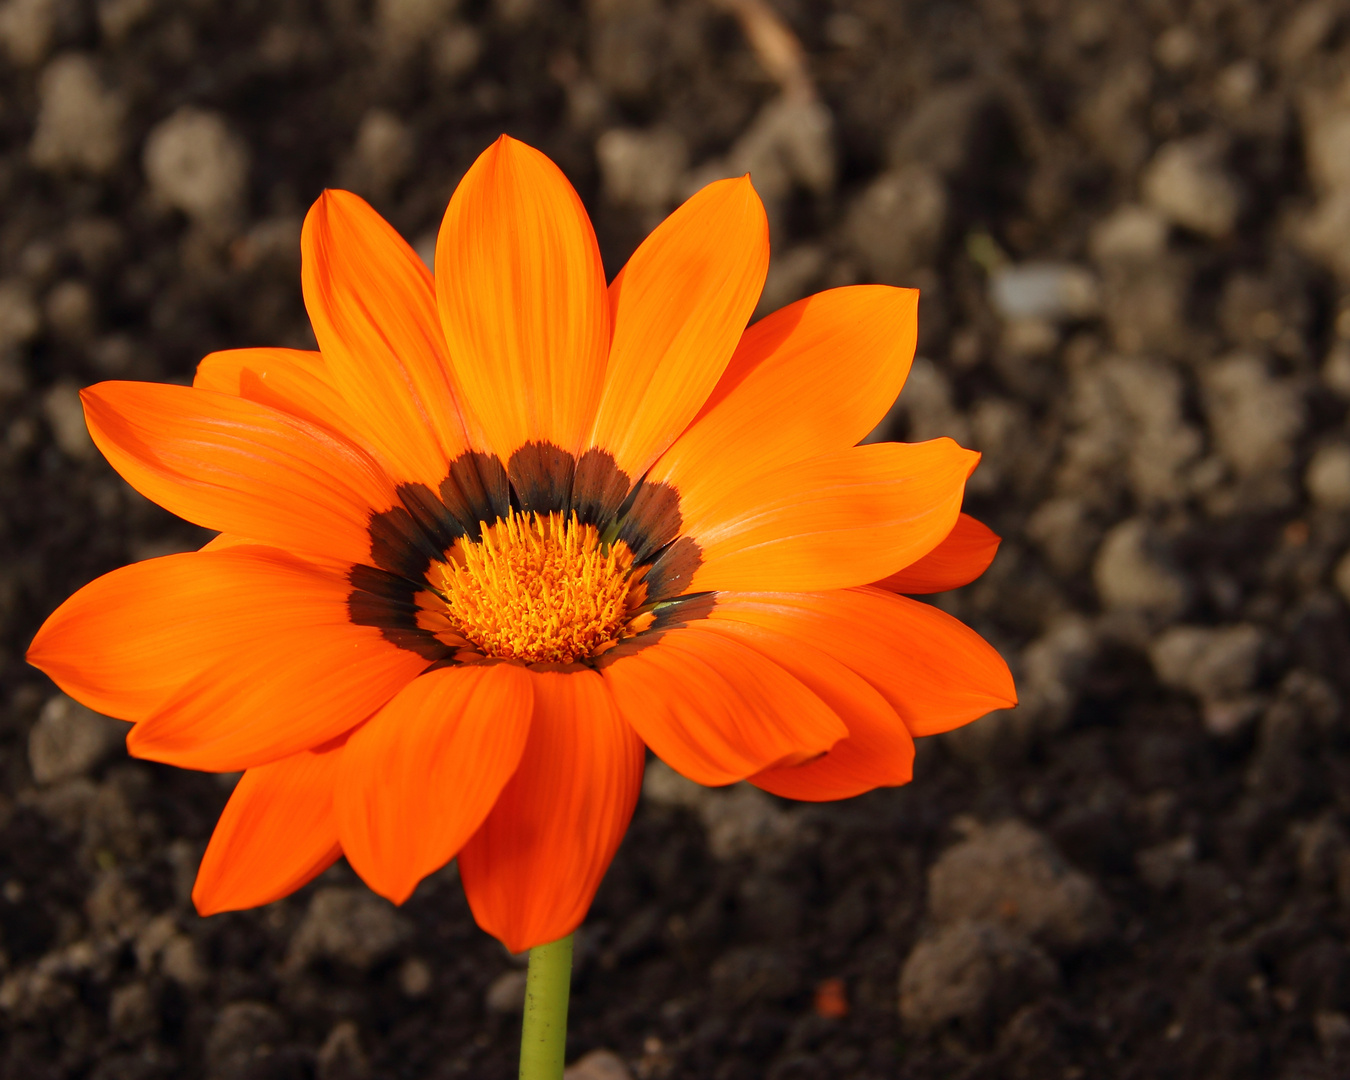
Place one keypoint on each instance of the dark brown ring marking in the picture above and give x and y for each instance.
(539, 478)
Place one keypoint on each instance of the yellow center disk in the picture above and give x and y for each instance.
(541, 589)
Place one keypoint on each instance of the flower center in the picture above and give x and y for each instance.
(542, 589)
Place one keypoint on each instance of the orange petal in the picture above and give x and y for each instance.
(935, 671)
(373, 306)
(837, 520)
(288, 380)
(715, 709)
(522, 300)
(531, 871)
(276, 833)
(879, 750)
(419, 779)
(807, 380)
(226, 540)
(128, 641)
(232, 658)
(678, 309)
(961, 558)
(239, 467)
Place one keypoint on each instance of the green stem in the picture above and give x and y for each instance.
(543, 1037)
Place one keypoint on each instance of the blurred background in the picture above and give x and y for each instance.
(1130, 221)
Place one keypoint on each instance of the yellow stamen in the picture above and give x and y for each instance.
(541, 589)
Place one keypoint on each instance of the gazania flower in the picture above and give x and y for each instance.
(508, 527)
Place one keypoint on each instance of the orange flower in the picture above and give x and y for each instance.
(508, 526)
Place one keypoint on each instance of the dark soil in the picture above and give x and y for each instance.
(1209, 811)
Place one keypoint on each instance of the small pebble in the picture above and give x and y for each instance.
(1326, 136)
(244, 1036)
(1341, 575)
(405, 24)
(1132, 233)
(965, 971)
(114, 907)
(20, 319)
(642, 168)
(1214, 663)
(598, 1065)
(79, 122)
(831, 999)
(196, 163)
(381, 156)
(65, 414)
(1051, 291)
(1011, 875)
(506, 993)
(69, 739)
(1328, 476)
(70, 310)
(740, 820)
(26, 29)
(179, 961)
(1324, 233)
(896, 224)
(1306, 31)
(132, 1012)
(350, 925)
(1336, 369)
(1187, 183)
(1254, 417)
(456, 52)
(415, 978)
(1162, 866)
(117, 18)
(790, 142)
(1177, 48)
(1133, 573)
(341, 1057)
(1333, 1031)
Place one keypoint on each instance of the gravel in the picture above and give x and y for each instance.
(1254, 417)
(382, 153)
(642, 168)
(351, 926)
(897, 222)
(1053, 291)
(341, 1056)
(598, 1065)
(1133, 572)
(1187, 183)
(966, 971)
(1328, 476)
(1214, 663)
(195, 163)
(79, 121)
(1011, 875)
(69, 739)
(1130, 234)
(506, 993)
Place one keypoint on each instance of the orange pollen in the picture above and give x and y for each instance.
(542, 589)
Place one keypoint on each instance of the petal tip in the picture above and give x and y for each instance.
(34, 654)
(396, 892)
(137, 743)
(204, 903)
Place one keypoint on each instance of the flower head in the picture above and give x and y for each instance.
(508, 527)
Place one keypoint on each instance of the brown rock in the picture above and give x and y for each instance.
(969, 971)
(1010, 875)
